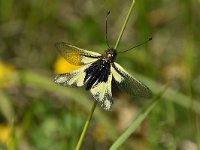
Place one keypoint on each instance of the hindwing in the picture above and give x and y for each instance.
(103, 94)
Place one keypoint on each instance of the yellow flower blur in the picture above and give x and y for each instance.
(4, 134)
(6, 74)
(62, 66)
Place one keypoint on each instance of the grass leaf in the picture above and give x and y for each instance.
(134, 125)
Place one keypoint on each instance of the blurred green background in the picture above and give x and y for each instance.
(37, 114)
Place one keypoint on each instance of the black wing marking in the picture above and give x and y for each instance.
(128, 83)
(100, 88)
(102, 93)
(98, 80)
(75, 55)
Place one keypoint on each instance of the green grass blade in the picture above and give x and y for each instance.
(6, 107)
(13, 139)
(80, 141)
(134, 125)
(124, 25)
(171, 94)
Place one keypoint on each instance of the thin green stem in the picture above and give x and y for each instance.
(13, 139)
(124, 25)
(80, 141)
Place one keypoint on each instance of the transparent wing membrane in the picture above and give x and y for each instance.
(128, 83)
(75, 55)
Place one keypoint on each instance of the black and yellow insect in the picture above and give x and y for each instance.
(97, 74)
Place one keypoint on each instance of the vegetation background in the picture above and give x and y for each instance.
(37, 114)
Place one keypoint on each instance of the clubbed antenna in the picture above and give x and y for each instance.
(137, 45)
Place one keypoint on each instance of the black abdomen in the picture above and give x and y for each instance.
(98, 72)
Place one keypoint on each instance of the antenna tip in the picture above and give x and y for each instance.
(150, 38)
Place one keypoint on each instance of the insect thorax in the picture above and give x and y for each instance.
(110, 55)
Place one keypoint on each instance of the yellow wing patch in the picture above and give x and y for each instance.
(75, 55)
(73, 58)
(116, 75)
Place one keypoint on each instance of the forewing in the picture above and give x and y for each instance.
(72, 79)
(128, 83)
(75, 55)
(102, 93)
